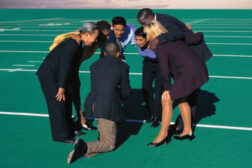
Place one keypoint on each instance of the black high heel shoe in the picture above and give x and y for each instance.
(165, 141)
(189, 136)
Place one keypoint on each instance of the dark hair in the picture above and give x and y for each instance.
(118, 20)
(112, 48)
(103, 25)
(145, 13)
(140, 32)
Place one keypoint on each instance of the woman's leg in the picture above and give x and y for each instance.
(166, 117)
(186, 115)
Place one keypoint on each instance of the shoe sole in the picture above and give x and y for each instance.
(70, 156)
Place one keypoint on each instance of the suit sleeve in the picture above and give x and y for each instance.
(174, 33)
(164, 67)
(65, 62)
(125, 84)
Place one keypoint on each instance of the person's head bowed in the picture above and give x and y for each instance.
(89, 32)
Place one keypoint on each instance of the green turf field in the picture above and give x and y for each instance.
(223, 134)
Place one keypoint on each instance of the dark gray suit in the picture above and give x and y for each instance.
(177, 31)
(60, 69)
(109, 85)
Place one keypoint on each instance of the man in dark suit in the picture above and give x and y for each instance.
(109, 85)
(177, 30)
(58, 74)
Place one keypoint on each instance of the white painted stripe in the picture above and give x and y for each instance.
(197, 21)
(28, 35)
(239, 56)
(224, 127)
(9, 41)
(198, 125)
(24, 114)
(217, 55)
(23, 65)
(224, 24)
(230, 77)
(198, 27)
(222, 31)
(137, 74)
(228, 36)
(30, 20)
(245, 44)
(35, 61)
(12, 51)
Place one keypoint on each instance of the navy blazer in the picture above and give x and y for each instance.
(109, 85)
(177, 31)
(62, 64)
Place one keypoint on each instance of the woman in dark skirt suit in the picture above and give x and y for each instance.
(189, 73)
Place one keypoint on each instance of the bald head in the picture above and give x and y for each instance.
(112, 49)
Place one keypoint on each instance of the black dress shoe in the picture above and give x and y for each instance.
(165, 141)
(150, 119)
(173, 130)
(88, 127)
(69, 141)
(155, 122)
(80, 148)
(189, 136)
(78, 133)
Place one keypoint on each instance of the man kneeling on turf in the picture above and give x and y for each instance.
(109, 85)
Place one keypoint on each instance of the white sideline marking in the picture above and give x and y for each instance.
(137, 74)
(35, 61)
(246, 44)
(23, 65)
(28, 34)
(229, 36)
(198, 125)
(9, 41)
(216, 55)
(30, 20)
(220, 31)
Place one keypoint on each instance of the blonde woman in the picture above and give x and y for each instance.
(189, 73)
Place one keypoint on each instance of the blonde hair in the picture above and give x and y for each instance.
(155, 28)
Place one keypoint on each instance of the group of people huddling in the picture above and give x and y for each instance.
(173, 58)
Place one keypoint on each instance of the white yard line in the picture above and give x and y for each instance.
(136, 73)
(23, 65)
(17, 21)
(198, 125)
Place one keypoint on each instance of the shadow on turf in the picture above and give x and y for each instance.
(133, 109)
(205, 108)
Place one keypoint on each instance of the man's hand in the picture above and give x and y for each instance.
(153, 44)
(61, 95)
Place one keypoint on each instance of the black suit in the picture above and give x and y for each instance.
(109, 85)
(60, 69)
(178, 30)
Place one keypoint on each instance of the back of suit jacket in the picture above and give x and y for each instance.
(62, 63)
(177, 31)
(109, 84)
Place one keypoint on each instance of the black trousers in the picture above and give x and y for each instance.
(152, 73)
(60, 113)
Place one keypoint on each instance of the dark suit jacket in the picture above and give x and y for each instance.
(178, 31)
(109, 84)
(62, 64)
(176, 59)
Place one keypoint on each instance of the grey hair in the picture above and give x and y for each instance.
(89, 27)
(112, 48)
